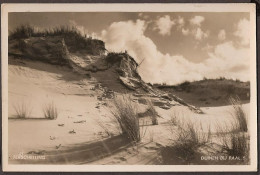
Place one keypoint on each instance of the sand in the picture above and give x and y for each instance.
(36, 84)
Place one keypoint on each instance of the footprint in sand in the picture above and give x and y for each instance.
(41, 152)
(58, 146)
(72, 132)
(121, 158)
(81, 121)
(52, 138)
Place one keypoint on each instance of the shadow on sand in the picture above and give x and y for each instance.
(78, 153)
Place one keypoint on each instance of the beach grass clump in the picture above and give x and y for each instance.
(236, 145)
(125, 113)
(188, 137)
(50, 111)
(22, 110)
(239, 122)
(152, 112)
(234, 137)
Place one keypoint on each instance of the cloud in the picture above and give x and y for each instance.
(228, 61)
(164, 25)
(194, 30)
(197, 20)
(180, 21)
(185, 31)
(243, 31)
(222, 35)
(224, 59)
(208, 47)
(199, 34)
(142, 15)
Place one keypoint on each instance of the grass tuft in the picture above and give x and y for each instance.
(234, 137)
(50, 111)
(152, 112)
(234, 143)
(188, 137)
(125, 114)
(240, 118)
(22, 110)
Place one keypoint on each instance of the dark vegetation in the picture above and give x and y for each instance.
(209, 92)
(234, 138)
(189, 139)
(72, 37)
(114, 58)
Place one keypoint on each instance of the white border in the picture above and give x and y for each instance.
(169, 7)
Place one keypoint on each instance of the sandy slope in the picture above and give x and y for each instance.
(36, 84)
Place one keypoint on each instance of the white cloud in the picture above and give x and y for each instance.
(243, 31)
(195, 29)
(142, 15)
(224, 60)
(199, 34)
(180, 21)
(185, 31)
(222, 34)
(197, 20)
(164, 25)
(208, 47)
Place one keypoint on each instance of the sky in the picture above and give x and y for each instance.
(173, 46)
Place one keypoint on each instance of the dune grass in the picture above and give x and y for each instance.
(26, 31)
(152, 112)
(22, 110)
(71, 34)
(239, 122)
(235, 144)
(50, 111)
(23, 31)
(234, 137)
(188, 137)
(125, 113)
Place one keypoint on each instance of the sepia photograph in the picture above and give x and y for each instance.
(106, 87)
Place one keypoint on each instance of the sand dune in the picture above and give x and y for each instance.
(75, 137)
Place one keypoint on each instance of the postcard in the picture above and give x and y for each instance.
(129, 87)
